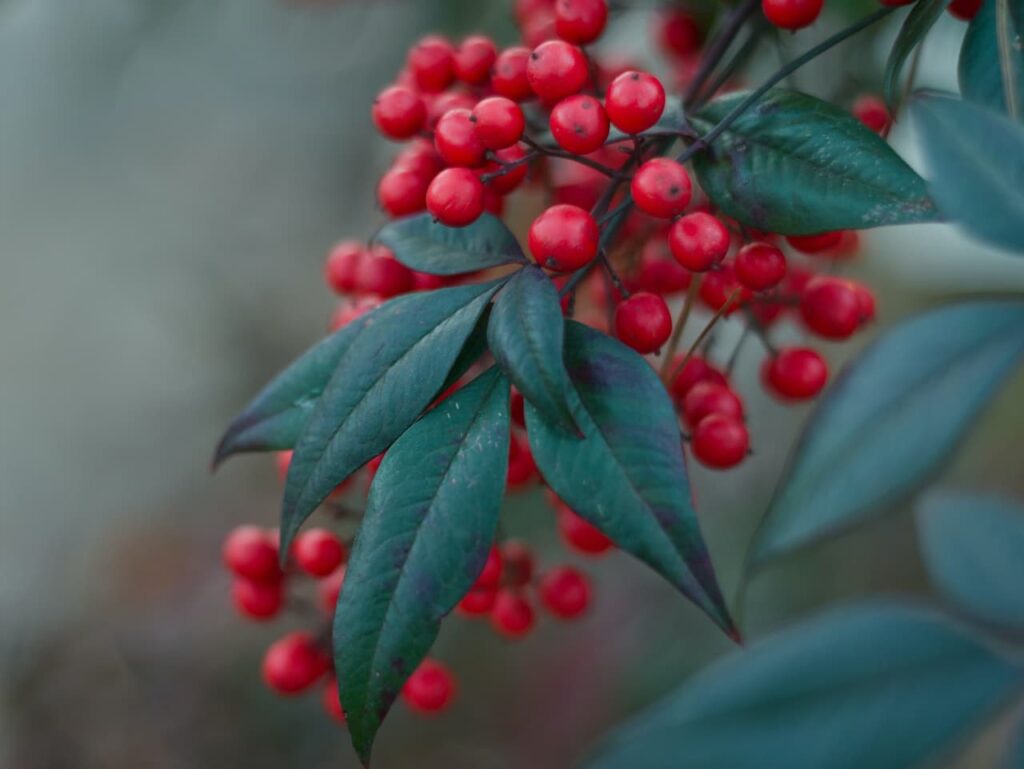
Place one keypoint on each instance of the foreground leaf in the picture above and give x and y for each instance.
(880, 685)
(974, 549)
(387, 377)
(981, 77)
(919, 21)
(424, 244)
(627, 475)
(796, 165)
(526, 336)
(891, 419)
(430, 521)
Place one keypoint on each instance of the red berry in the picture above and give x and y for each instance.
(698, 241)
(580, 21)
(430, 688)
(706, 398)
(331, 701)
(579, 124)
(657, 272)
(815, 244)
(580, 534)
(399, 112)
(402, 192)
(474, 59)
(508, 78)
(796, 373)
(831, 307)
(635, 101)
(564, 592)
(564, 238)
(679, 33)
(696, 370)
(432, 63)
(328, 590)
(792, 14)
(721, 284)
(873, 113)
(498, 122)
(512, 615)
(513, 177)
(643, 322)
(342, 266)
(444, 103)
(720, 441)
(250, 552)
(456, 140)
(257, 600)
(318, 552)
(661, 187)
(518, 563)
(421, 158)
(349, 311)
(556, 69)
(282, 461)
(478, 601)
(760, 266)
(294, 663)
(490, 575)
(456, 197)
(965, 10)
(518, 408)
(521, 467)
(381, 274)
(866, 300)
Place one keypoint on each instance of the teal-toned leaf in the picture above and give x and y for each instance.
(430, 521)
(1014, 758)
(974, 548)
(627, 475)
(891, 419)
(526, 337)
(981, 77)
(919, 21)
(796, 165)
(426, 245)
(976, 163)
(384, 381)
(879, 685)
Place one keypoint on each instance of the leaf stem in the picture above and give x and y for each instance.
(677, 332)
(1006, 58)
(718, 47)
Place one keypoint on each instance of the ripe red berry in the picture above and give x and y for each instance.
(294, 663)
(719, 286)
(499, 122)
(661, 187)
(657, 272)
(401, 192)
(250, 552)
(432, 63)
(965, 10)
(381, 274)
(318, 552)
(873, 113)
(349, 311)
(866, 300)
(399, 112)
(517, 407)
(579, 534)
(282, 461)
(698, 241)
(508, 78)
(328, 590)
(796, 373)
(579, 124)
(478, 601)
(342, 266)
(720, 441)
(456, 140)
(580, 21)
(678, 33)
(430, 688)
(564, 592)
(512, 615)
(760, 266)
(564, 238)
(694, 371)
(706, 398)
(512, 177)
(815, 244)
(635, 101)
(643, 322)
(831, 308)
(257, 600)
(474, 59)
(791, 14)
(331, 701)
(419, 157)
(456, 197)
(556, 69)
(521, 467)
(490, 575)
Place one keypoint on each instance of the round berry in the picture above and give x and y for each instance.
(399, 112)
(556, 69)
(760, 266)
(580, 21)
(661, 187)
(383, 275)
(796, 373)
(720, 441)
(698, 241)
(420, 158)
(430, 688)
(657, 272)
(508, 78)
(706, 398)
(330, 700)
(564, 592)
(512, 615)
(257, 600)
(694, 371)
(678, 33)
(328, 590)
(643, 322)
(456, 197)
(250, 552)
(866, 300)
(815, 244)
(432, 63)
(564, 238)
(517, 408)
(521, 466)
(342, 266)
(721, 285)
(965, 10)
(474, 58)
(873, 113)
(490, 575)
(579, 124)
(318, 552)
(293, 664)
(831, 307)
(792, 14)
(456, 140)
(402, 192)
(635, 101)
(579, 534)
(499, 122)
(512, 175)
(518, 563)
(478, 601)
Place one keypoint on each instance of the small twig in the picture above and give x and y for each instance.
(507, 167)
(734, 357)
(585, 161)
(718, 47)
(707, 330)
(1006, 57)
(613, 275)
(677, 332)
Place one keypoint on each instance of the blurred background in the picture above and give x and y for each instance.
(172, 174)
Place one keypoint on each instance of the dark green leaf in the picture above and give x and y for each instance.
(1014, 758)
(796, 165)
(880, 685)
(423, 244)
(627, 475)
(891, 419)
(981, 77)
(385, 380)
(526, 336)
(976, 160)
(430, 521)
(974, 549)
(919, 21)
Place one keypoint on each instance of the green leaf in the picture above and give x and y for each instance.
(796, 165)
(981, 77)
(430, 521)
(627, 475)
(891, 419)
(526, 336)
(974, 549)
(1014, 758)
(880, 685)
(388, 376)
(424, 244)
(919, 21)
(976, 159)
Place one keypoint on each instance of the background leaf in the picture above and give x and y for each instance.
(1014, 758)
(981, 78)
(880, 685)
(627, 475)
(976, 163)
(974, 549)
(526, 336)
(919, 21)
(423, 244)
(430, 521)
(890, 420)
(796, 165)
(385, 380)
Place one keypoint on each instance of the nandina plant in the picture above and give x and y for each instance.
(463, 365)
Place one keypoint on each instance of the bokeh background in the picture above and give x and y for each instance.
(172, 173)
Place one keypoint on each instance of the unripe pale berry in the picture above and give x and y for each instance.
(456, 139)
(760, 266)
(318, 552)
(430, 689)
(579, 124)
(720, 441)
(661, 187)
(456, 197)
(796, 373)
(792, 14)
(474, 58)
(698, 241)
(512, 615)
(635, 101)
(643, 322)
(565, 592)
(498, 122)
(564, 238)
(556, 69)
(508, 77)
(432, 63)
(580, 21)
(294, 663)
